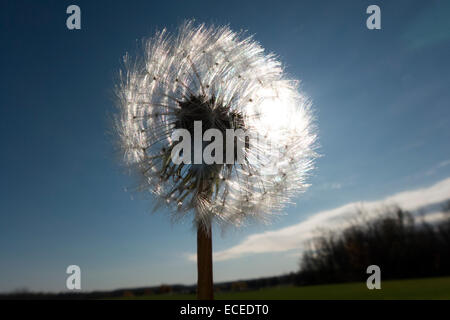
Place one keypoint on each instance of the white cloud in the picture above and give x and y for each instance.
(333, 186)
(294, 237)
(440, 165)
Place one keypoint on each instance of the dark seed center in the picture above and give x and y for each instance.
(211, 114)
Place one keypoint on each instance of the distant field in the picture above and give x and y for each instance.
(429, 288)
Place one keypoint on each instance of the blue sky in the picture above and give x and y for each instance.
(381, 98)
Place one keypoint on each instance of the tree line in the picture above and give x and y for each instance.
(401, 244)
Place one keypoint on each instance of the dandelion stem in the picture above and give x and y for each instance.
(205, 290)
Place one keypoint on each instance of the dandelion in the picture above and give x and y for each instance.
(226, 81)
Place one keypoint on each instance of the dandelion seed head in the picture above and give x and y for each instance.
(227, 81)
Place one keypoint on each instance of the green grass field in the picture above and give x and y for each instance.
(430, 288)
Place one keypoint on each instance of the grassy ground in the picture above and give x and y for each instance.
(430, 288)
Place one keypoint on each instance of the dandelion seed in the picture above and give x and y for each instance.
(188, 87)
(227, 81)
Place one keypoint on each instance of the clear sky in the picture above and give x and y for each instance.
(381, 99)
